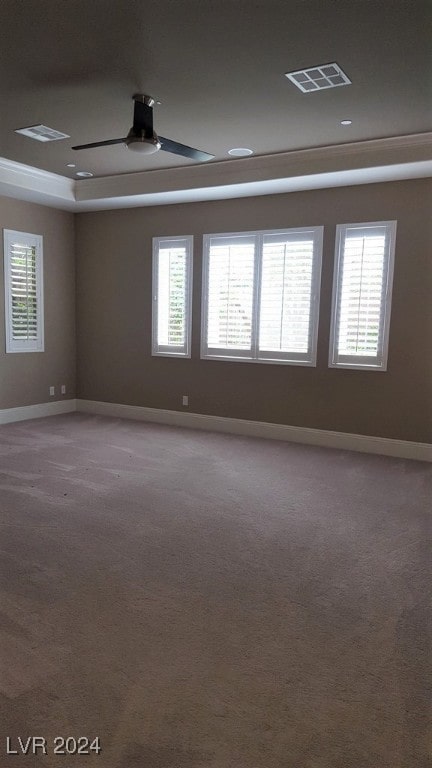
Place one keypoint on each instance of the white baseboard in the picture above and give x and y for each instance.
(25, 412)
(321, 437)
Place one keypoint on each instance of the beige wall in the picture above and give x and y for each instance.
(26, 376)
(114, 316)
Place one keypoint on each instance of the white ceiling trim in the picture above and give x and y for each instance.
(366, 162)
(269, 187)
(36, 186)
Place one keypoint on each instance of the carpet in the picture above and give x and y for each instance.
(200, 600)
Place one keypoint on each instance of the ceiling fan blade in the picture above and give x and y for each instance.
(143, 118)
(182, 149)
(100, 143)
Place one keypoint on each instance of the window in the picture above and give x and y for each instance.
(261, 296)
(23, 270)
(362, 287)
(172, 296)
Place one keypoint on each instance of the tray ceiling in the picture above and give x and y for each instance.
(218, 70)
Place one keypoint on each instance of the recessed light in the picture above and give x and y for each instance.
(42, 133)
(318, 78)
(84, 174)
(346, 122)
(240, 152)
(71, 165)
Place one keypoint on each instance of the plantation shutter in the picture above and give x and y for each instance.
(23, 291)
(363, 294)
(286, 295)
(172, 282)
(260, 296)
(230, 295)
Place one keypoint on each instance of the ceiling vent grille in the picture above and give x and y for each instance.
(318, 78)
(42, 133)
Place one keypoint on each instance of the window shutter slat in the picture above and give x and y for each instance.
(361, 292)
(172, 297)
(23, 288)
(260, 296)
(286, 295)
(172, 268)
(361, 303)
(230, 295)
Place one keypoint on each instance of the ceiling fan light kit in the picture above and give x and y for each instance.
(240, 152)
(142, 144)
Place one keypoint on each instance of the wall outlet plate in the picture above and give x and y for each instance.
(63, 389)
(185, 400)
(52, 391)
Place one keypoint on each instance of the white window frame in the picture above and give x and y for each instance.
(255, 356)
(357, 362)
(160, 350)
(11, 237)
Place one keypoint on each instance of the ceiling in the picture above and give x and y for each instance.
(218, 70)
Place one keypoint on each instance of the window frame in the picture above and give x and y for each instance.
(266, 357)
(11, 237)
(357, 362)
(159, 350)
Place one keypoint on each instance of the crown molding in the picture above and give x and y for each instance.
(267, 187)
(365, 162)
(35, 185)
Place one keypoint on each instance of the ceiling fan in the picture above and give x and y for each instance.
(142, 138)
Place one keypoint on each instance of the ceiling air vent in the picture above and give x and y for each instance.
(42, 133)
(318, 78)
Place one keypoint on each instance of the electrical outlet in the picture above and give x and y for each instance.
(63, 389)
(52, 391)
(185, 400)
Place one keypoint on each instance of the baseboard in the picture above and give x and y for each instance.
(320, 437)
(37, 411)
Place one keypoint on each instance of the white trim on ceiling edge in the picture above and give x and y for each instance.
(323, 438)
(363, 162)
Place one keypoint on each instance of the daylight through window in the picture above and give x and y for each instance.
(261, 296)
(23, 291)
(172, 283)
(362, 294)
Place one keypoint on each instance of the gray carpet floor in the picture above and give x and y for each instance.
(201, 600)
